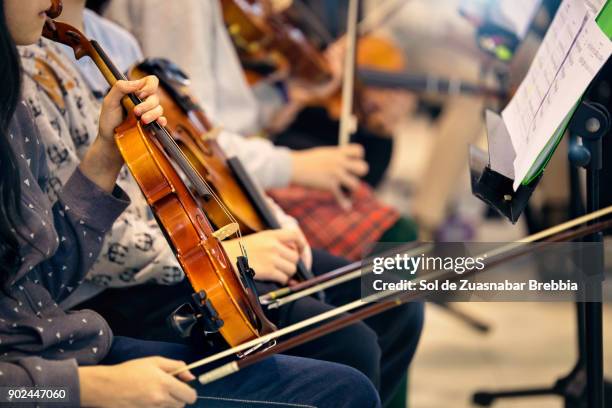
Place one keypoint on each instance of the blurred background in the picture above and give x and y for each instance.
(528, 345)
(484, 47)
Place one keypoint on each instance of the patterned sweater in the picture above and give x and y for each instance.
(66, 114)
(63, 98)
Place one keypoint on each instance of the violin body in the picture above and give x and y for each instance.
(186, 227)
(191, 130)
(373, 53)
(225, 301)
(267, 38)
(227, 178)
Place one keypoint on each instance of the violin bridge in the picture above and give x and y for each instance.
(227, 231)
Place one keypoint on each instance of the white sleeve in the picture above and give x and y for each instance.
(269, 165)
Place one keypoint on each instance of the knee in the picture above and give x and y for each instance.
(352, 389)
(416, 316)
(411, 327)
(361, 350)
(410, 318)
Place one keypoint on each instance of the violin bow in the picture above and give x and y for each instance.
(377, 308)
(348, 121)
(389, 299)
(280, 297)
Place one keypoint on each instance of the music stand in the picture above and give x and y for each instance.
(585, 383)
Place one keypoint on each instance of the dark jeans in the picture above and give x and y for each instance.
(313, 128)
(278, 381)
(381, 347)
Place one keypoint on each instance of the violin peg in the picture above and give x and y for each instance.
(227, 231)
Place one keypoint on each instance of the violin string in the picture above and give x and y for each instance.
(229, 215)
(170, 144)
(211, 190)
(186, 164)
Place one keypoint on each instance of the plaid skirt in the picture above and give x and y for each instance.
(349, 234)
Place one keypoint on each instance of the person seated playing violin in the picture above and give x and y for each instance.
(46, 249)
(308, 184)
(304, 109)
(121, 264)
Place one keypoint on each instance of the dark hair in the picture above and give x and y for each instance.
(10, 191)
(97, 5)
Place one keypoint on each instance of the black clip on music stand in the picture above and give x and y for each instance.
(491, 177)
(591, 122)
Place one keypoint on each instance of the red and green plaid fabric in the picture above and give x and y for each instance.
(327, 226)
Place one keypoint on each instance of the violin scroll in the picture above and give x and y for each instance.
(66, 34)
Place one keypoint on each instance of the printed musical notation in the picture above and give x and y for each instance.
(572, 52)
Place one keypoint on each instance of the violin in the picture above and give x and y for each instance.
(242, 200)
(267, 41)
(224, 299)
(196, 137)
(257, 30)
(266, 38)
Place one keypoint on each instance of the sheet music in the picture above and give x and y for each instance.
(521, 113)
(594, 6)
(573, 51)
